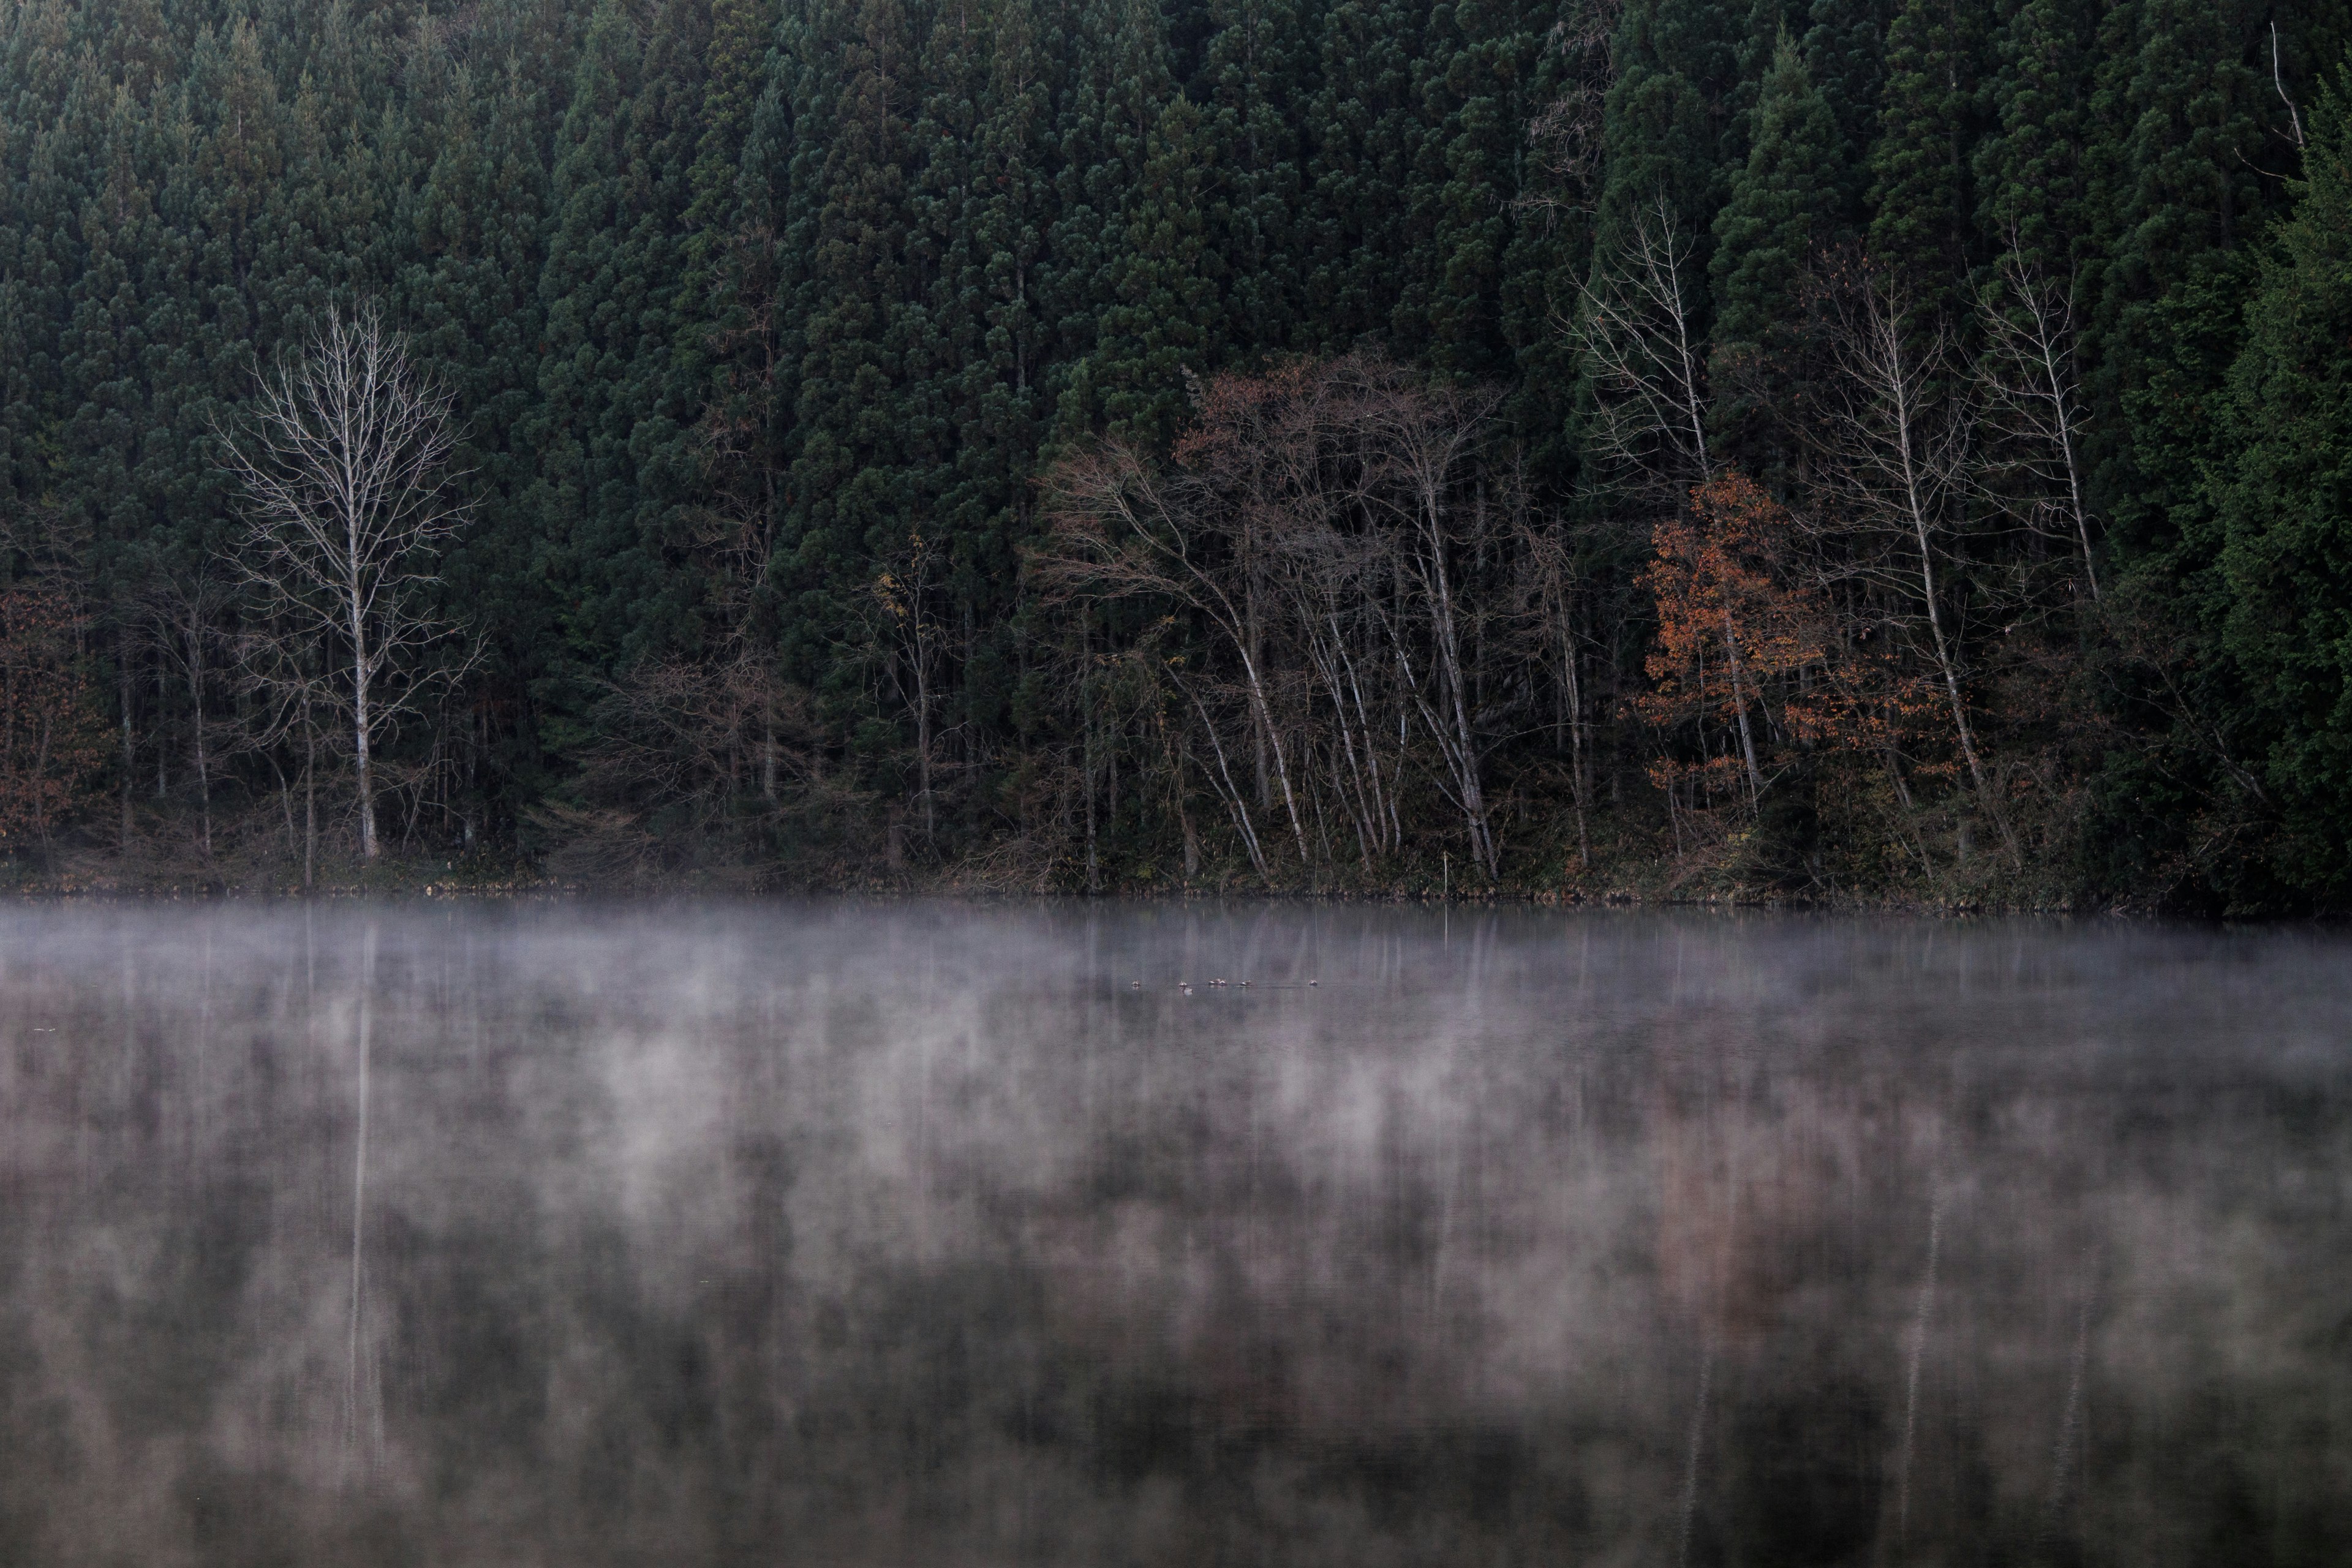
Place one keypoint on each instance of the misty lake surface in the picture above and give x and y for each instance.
(922, 1233)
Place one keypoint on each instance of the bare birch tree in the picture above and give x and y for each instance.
(348, 500)
(186, 611)
(2028, 375)
(1121, 530)
(1650, 367)
(902, 601)
(1899, 430)
(1635, 324)
(1425, 437)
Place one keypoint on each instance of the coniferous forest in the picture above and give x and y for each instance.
(1836, 449)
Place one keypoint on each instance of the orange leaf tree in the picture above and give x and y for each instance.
(1748, 666)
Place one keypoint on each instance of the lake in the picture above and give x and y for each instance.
(927, 1233)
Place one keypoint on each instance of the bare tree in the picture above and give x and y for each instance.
(1426, 436)
(902, 593)
(1651, 369)
(1549, 595)
(1121, 530)
(348, 500)
(1897, 430)
(1325, 526)
(1648, 363)
(186, 611)
(2028, 374)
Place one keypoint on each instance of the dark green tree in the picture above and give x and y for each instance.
(2283, 494)
(1779, 212)
(2031, 179)
(1923, 208)
(1364, 127)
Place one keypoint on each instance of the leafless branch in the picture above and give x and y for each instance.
(348, 498)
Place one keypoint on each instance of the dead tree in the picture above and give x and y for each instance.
(1897, 430)
(902, 593)
(1423, 440)
(348, 500)
(283, 677)
(2028, 375)
(186, 612)
(1642, 346)
(1121, 530)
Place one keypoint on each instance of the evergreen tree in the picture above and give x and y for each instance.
(1479, 61)
(2179, 103)
(848, 477)
(578, 432)
(2284, 502)
(2031, 178)
(479, 319)
(1254, 83)
(1550, 251)
(1920, 194)
(1160, 315)
(1844, 47)
(1780, 213)
(1000, 399)
(1364, 129)
(1669, 133)
(1137, 264)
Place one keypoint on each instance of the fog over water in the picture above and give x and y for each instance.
(917, 1233)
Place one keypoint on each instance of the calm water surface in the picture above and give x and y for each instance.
(921, 1235)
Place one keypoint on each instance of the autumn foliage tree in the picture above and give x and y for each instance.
(52, 739)
(1748, 669)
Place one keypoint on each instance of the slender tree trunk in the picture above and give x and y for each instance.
(1184, 814)
(1739, 706)
(1263, 715)
(1258, 724)
(1580, 779)
(1231, 793)
(768, 752)
(130, 755)
(923, 732)
(1473, 800)
(1087, 768)
(360, 718)
(197, 699)
(309, 800)
(1923, 536)
(1948, 670)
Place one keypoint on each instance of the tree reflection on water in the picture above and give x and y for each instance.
(881, 1235)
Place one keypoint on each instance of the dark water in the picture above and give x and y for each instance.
(916, 1236)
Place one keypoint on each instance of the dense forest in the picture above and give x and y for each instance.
(1844, 449)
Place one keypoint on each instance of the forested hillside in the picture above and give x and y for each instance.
(1834, 449)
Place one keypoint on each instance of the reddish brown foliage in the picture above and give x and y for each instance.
(1750, 660)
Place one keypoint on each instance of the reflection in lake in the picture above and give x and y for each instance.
(920, 1235)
